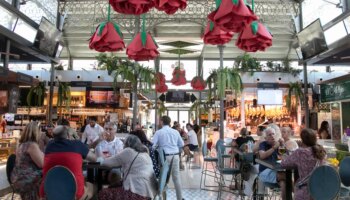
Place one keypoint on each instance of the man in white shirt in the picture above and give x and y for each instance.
(92, 133)
(171, 142)
(192, 141)
(110, 145)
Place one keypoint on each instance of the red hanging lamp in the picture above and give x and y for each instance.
(132, 7)
(214, 35)
(254, 37)
(170, 6)
(198, 83)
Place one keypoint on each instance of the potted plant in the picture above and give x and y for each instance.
(36, 93)
(295, 90)
(246, 63)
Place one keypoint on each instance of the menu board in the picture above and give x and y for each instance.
(3, 98)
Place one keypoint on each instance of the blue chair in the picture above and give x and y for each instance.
(205, 172)
(344, 173)
(163, 180)
(10, 164)
(221, 168)
(60, 184)
(324, 183)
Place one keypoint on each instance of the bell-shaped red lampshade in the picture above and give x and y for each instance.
(254, 37)
(160, 78)
(161, 88)
(170, 6)
(198, 83)
(179, 77)
(215, 36)
(132, 7)
(232, 15)
(107, 37)
(142, 48)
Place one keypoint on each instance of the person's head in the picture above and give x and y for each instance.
(138, 126)
(63, 122)
(141, 135)
(270, 135)
(277, 130)
(260, 130)
(30, 133)
(92, 121)
(109, 132)
(134, 142)
(286, 133)
(243, 132)
(309, 139)
(189, 127)
(61, 132)
(165, 121)
(324, 125)
(49, 128)
(175, 123)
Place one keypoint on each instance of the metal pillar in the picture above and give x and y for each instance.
(29, 66)
(134, 86)
(306, 96)
(7, 55)
(222, 117)
(70, 63)
(52, 76)
(199, 73)
(156, 66)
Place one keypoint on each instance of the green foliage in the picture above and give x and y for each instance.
(64, 96)
(224, 79)
(246, 63)
(161, 109)
(109, 63)
(286, 67)
(38, 94)
(296, 90)
(59, 67)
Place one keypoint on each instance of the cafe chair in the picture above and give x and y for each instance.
(222, 169)
(205, 171)
(324, 183)
(344, 173)
(164, 177)
(60, 184)
(10, 164)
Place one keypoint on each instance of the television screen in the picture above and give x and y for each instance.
(312, 40)
(47, 38)
(25, 30)
(3, 98)
(177, 97)
(101, 97)
(270, 97)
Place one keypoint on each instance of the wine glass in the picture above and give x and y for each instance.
(282, 150)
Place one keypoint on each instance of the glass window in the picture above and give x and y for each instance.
(84, 64)
(17, 66)
(40, 8)
(9, 1)
(167, 68)
(210, 65)
(149, 64)
(183, 119)
(181, 87)
(41, 66)
(7, 19)
(335, 33)
(173, 114)
(25, 30)
(325, 10)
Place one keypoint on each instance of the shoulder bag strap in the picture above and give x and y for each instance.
(124, 178)
(306, 178)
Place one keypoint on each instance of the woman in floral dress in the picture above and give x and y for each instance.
(26, 175)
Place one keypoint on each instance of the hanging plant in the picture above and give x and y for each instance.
(254, 37)
(132, 7)
(36, 93)
(63, 96)
(232, 15)
(143, 47)
(214, 35)
(224, 79)
(246, 63)
(107, 37)
(295, 90)
(170, 6)
(179, 75)
(109, 63)
(198, 83)
(161, 109)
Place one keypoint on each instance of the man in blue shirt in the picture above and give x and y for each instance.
(268, 150)
(171, 142)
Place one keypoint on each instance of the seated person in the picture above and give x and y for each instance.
(192, 141)
(268, 151)
(260, 133)
(26, 175)
(72, 133)
(109, 145)
(305, 160)
(243, 139)
(142, 136)
(45, 137)
(69, 153)
(290, 144)
(139, 181)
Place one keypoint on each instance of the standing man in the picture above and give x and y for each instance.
(171, 142)
(92, 133)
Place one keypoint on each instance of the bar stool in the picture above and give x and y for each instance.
(205, 171)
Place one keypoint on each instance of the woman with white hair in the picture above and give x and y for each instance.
(290, 144)
(139, 181)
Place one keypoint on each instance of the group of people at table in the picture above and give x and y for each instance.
(275, 144)
(39, 152)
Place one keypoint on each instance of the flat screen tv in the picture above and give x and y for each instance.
(47, 38)
(177, 97)
(270, 97)
(102, 97)
(312, 40)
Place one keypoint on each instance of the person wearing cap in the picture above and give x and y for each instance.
(64, 151)
(171, 142)
(92, 133)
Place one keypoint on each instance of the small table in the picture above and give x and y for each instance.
(95, 171)
(277, 167)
